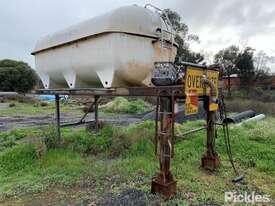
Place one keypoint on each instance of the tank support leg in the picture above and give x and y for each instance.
(210, 159)
(96, 113)
(57, 114)
(164, 183)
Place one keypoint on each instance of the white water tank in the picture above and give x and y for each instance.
(116, 49)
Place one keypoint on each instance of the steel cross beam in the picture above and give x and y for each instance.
(176, 90)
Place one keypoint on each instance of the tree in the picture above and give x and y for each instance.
(183, 39)
(262, 71)
(16, 76)
(245, 66)
(228, 57)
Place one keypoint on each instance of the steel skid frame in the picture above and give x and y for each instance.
(164, 182)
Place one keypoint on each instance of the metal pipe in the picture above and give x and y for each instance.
(87, 112)
(193, 65)
(76, 123)
(96, 113)
(237, 118)
(256, 118)
(173, 123)
(8, 93)
(202, 66)
(191, 131)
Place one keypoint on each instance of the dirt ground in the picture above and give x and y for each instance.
(8, 123)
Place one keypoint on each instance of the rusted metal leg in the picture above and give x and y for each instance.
(96, 113)
(57, 114)
(210, 159)
(164, 183)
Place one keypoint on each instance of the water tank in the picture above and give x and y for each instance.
(115, 49)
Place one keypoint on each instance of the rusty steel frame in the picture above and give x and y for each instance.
(163, 182)
(177, 91)
(210, 160)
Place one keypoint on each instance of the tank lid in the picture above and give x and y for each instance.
(128, 19)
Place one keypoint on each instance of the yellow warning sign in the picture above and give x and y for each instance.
(191, 103)
(194, 88)
(193, 80)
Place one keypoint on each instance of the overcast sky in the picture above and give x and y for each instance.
(219, 23)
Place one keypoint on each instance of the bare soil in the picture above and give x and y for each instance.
(8, 123)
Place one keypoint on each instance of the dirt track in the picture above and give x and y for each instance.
(8, 123)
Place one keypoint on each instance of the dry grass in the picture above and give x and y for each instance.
(239, 105)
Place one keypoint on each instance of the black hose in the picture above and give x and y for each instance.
(227, 141)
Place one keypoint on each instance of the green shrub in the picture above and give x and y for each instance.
(122, 105)
(17, 158)
(112, 141)
(79, 140)
(44, 104)
(85, 141)
(12, 105)
(16, 76)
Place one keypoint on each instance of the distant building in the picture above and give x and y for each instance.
(235, 81)
(273, 82)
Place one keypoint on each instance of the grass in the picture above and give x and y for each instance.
(25, 173)
(118, 158)
(119, 105)
(27, 109)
